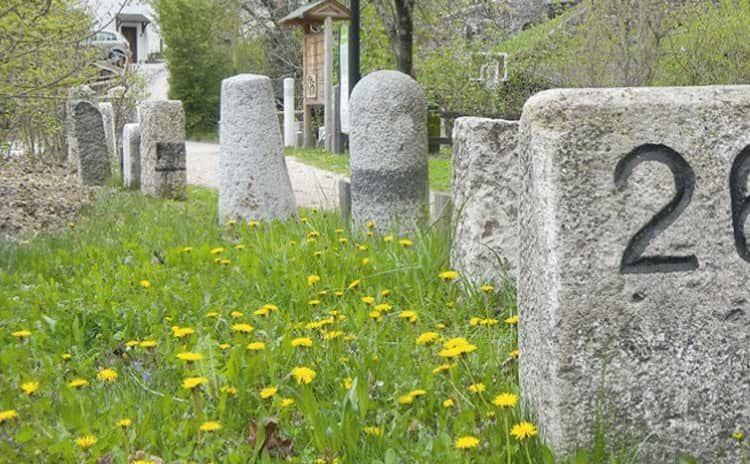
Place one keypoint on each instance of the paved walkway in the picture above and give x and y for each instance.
(313, 187)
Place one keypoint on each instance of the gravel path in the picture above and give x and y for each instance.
(313, 187)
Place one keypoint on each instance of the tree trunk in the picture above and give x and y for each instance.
(398, 20)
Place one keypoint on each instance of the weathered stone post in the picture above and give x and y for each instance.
(634, 269)
(162, 149)
(131, 155)
(388, 145)
(76, 94)
(253, 179)
(108, 119)
(88, 132)
(290, 131)
(485, 188)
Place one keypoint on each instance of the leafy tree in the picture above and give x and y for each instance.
(43, 52)
(198, 56)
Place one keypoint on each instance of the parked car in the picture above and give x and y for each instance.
(113, 46)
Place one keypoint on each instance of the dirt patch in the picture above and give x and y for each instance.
(36, 195)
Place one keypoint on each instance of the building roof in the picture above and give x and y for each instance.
(133, 14)
(316, 12)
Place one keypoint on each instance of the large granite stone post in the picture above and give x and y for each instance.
(88, 132)
(76, 94)
(634, 274)
(162, 149)
(290, 131)
(253, 179)
(108, 119)
(485, 187)
(131, 155)
(388, 146)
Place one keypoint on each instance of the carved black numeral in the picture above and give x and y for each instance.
(740, 201)
(684, 180)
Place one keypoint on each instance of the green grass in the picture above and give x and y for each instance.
(439, 166)
(123, 275)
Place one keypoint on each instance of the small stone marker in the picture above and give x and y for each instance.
(131, 155)
(162, 149)
(290, 135)
(634, 275)
(88, 131)
(76, 94)
(345, 199)
(253, 179)
(108, 119)
(485, 188)
(388, 145)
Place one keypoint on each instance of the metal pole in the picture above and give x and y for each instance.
(354, 75)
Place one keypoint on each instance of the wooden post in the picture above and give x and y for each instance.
(338, 143)
(328, 84)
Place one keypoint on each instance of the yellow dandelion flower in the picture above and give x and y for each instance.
(405, 399)
(474, 321)
(313, 302)
(302, 341)
(229, 390)
(323, 292)
(477, 387)
(231, 223)
(312, 279)
(428, 338)
(78, 383)
(66, 356)
(190, 383)
(224, 346)
(30, 387)
(240, 246)
(333, 334)
(253, 224)
(488, 322)
(487, 288)
(262, 312)
(513, 354)
(384, 307)
(376, 315)
(738, 435)
(286, 402)
(236, 314)
(189, 356)
(338, 293)
(443, 368)
(505, 400)
(385, 293)
(292, 243)
(343, 240)
(368, 300)
(388, 238)
(210, 426)
(373, 430)
(217, 251)
(365, 261)
(131, 343)
(8, 415)
(21, 334)
(354, 284)
(85, 442)
(339, 231)
(124, 423)
(448, 276)
(271, 307)
(523, 430)
(145, 284)
(346, 384)
(187, 249)
(513, 320)
(406, 243)
(303, 375)
(256, 346)
(440, 326)
(363, 248)
(466, 442)
(181, 332)
(107, 375)
(212, 314)
(317, 254)
(408, 315)
(456, 347)
(370, 224)
(225, 262)
(449, 403)
(242, 328)
(148, 344)
(268, 392)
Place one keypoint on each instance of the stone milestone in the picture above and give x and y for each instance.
(485, 188)
(162, 149)
(76, 94)
(253, 179)
(131, 155)
(634, 275)
(388, 152)
(91, 145)
(108, 118)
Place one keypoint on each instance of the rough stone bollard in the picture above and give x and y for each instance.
(108, 118)
(131, 155)
(76, 94)
(388, 146)
(634, 269)
(345, 199)
(162, 149)
(88, 131)
(485, 187)
(253, 179)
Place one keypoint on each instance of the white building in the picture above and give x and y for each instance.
(133, 19)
